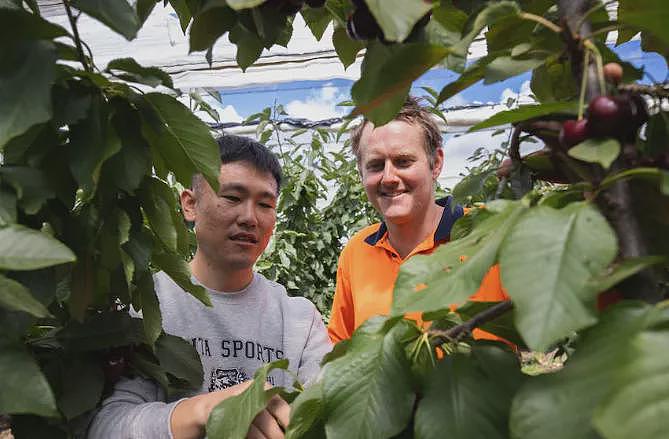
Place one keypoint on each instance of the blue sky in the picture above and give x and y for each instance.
(311, 98)
(316, 100)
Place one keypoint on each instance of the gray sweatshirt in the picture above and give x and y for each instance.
(243, 331)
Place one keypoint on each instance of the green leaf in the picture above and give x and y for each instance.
(22, 248)
(504, 67)
(618, 273)
(32, 187)
(21, 25)
(119, 16)
(398, 17)
(387, 75)
(602, 151)
(7, 207)
(650, 15)
(347, 49)
(16, 297)
(664, 183)
(317, 19)
(587, 378)
(454, 271)
(209, 25)
(471, 185)
(32, 62)
(306, 414)
(368, 391)
(565, 248)
(152, 76)
(177, 268)
(238, 5)
(486, 17)
(144, 9)
(553, 81)
(23, 388)
(179, 357)
(502, 326)
(159, 206)
(181, 139)
(249, 46)
(639, 405)
(183, 12)
(525, 112)
(82, 385)
(151, 315)
(102, 331)
(232, 417)
(469, 396)
(469, 77)
(92, 141)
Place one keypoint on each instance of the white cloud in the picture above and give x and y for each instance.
(229, 114)
(457, 149)
(523, 95)
(318, 105)
(455, 101)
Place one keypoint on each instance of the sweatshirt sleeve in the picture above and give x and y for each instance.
(135, 409)
(318, 344)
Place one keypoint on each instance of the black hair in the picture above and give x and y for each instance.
(234, 148)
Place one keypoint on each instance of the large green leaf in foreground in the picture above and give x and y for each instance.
(561, 405)
(454, 271)
(469, 396)
(231, 418)
(546, 262)
(181, 139)
(368, 391)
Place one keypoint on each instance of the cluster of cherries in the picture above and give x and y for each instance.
(292, 7)
(361, 24)
(618, 116)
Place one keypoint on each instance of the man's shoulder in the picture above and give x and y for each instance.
(293, 304)
(361, 235)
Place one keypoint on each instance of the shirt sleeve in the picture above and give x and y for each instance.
(342, 317)
(317, 345)
(135, 409)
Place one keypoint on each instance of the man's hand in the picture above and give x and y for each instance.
(190, 416)
(272, 421)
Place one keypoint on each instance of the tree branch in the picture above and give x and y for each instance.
(617, 201)
(75, 33)
(453, 334)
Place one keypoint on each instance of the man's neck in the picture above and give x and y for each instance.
(405, 237)
(217, 278)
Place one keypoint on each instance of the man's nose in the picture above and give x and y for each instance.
(389, 176)
(248, 214)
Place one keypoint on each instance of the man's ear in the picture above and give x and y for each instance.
(438, 163)
(188, 200)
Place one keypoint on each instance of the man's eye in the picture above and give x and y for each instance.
(403, 163)
(232, 198)
(374, 167)
(266, 206)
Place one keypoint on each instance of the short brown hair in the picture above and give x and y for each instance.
(414, 113)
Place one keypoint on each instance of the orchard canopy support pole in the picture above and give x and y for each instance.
(616, 202)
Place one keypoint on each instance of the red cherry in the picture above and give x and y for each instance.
(573, 132)
(605, 116)
(608, 298)
(113, 367)
(613, 72)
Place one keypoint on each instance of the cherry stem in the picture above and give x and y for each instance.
(584, 84)
(541, 20)
(589, 45)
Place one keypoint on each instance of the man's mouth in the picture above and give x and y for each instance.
(244, 237)
(392, 194)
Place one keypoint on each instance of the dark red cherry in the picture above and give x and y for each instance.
(606, 116)
(573, 132)
(362, 26)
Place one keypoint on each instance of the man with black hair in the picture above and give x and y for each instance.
(252, 321)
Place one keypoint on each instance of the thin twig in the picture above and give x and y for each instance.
(75, 32)
(440, 337)
(541, 20)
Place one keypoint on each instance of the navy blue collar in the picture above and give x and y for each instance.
(443, 232)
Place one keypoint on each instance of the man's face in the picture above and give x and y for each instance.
(396, 171)
(234, 225)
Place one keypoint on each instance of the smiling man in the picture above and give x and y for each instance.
(399, 164)
(252, 321)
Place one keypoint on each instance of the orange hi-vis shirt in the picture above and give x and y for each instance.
(369, 265)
